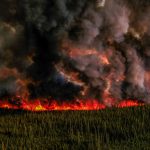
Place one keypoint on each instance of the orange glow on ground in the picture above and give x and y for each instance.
(38, 105)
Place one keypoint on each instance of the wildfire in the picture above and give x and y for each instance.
(70, 75)
(38, 105)
(103, 57)
(6, 72)
(74, 52)
(128, 103)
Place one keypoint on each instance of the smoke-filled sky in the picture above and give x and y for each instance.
(70, 49)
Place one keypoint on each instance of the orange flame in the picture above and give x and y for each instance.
(129, 103)
(38, 105)
(103, 57)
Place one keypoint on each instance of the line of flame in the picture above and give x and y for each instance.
(38, 105)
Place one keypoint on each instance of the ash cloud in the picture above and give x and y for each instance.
(44, 41)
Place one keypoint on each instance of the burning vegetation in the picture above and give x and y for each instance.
(74, 55)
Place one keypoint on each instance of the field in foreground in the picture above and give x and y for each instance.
(110, 129)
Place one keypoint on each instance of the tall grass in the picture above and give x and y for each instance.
(110, 129)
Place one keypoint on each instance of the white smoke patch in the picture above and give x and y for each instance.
(100, 3)
(116, 19)
(136, 72)
(7, 34)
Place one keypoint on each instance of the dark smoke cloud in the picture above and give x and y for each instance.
(37, 36)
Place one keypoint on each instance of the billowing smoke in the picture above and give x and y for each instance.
(69, 49)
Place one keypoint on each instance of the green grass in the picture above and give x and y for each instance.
(111, 129)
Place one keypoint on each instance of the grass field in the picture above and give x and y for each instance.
(110, 129)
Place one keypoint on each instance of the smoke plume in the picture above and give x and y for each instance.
(69, 49)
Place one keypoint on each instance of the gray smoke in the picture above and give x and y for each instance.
(107, 45)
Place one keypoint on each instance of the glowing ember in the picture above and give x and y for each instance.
(37, 105)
